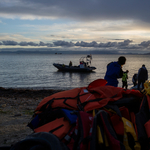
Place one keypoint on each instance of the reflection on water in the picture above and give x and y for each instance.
(73, 79)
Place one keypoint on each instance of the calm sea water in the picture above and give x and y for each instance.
(36, 71)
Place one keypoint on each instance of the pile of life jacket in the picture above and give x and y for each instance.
(96, 117)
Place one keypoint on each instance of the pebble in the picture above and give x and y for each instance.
(4, 105)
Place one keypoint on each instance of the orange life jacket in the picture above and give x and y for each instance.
(58, 127)
(87, 100)
(65, 99)
(100, 96)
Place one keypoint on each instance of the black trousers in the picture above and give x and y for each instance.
(139, 83)
(124, 84)
(134, 83)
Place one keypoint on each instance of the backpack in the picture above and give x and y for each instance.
(142, 119)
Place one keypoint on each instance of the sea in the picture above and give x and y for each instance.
(36, 71)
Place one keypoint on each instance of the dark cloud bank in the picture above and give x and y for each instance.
(71, 44)
(80, 10)
(110, 47)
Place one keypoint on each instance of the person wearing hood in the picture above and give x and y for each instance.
(142, 76)
(114, 71)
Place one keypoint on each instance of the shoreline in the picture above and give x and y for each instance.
(27, 92)
(16, 110)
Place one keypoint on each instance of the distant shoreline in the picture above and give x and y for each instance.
(58, 52)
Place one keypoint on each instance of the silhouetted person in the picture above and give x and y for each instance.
(70, 63)
(135, 79)
(142, 76)
(114, 71)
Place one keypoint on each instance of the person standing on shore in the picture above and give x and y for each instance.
(124, 79)
(114, 71)
(142, 76)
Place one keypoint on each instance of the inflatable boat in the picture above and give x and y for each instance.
(84, 66)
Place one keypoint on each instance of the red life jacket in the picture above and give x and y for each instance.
(113, 141)
(58, 127)
(100, 96)
(83, 129)
(65, 99)
(82, 99)
(79, 136)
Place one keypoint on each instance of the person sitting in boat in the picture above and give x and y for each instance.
(70, 63)
(82, 64)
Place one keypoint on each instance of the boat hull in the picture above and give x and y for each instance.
(66, 68)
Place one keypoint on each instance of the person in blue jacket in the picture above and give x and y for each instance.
(114, 71)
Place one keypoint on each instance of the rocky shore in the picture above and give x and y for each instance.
(16, 110)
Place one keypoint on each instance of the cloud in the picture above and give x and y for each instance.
(86, 10)
(124, 45)
(104, 45)
(145, 44)
(63, 43)
(42, 43)
(13, 43)
(32, 44)
(45, 44)
(86, 44)
(23, 44)
(28, 44)
(1, 22)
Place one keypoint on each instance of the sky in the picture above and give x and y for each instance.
(109, 26)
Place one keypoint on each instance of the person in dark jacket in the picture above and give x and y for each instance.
(135, 79)
(114, 71)
(70, 63)
(142, 76)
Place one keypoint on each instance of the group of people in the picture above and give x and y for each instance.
(114, 71)
(140, 77)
